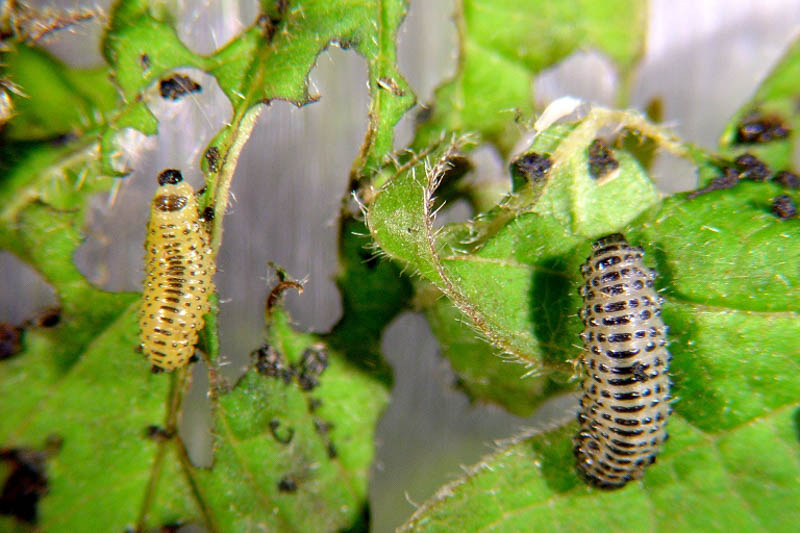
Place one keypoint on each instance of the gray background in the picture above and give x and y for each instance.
(703, 60)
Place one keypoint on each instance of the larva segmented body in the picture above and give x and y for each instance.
(625, 402)
(178, 275)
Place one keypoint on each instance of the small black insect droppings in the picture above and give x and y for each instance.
(601, 159)
(10, 340)
(287, 484)
(274, 424)
(532, 166)
(783, 207)
(25, 485)
(49, 318)
(728, 180)
(333, 453)
(787, 179)
(170, 176)
(313, 362)
(321, 426)
(314, 404)
(269, 361)
(268, 24)
(174, 87)
(751, 168)
(144, 61)
(157, 433)
(213, 158)
(347, 44)
(172, 527)
(760, 128)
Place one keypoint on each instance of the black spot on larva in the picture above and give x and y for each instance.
(728, 180)
(25, 483)
(787, 179)
(213, 158)
(208, 214)
(751, 168)
(286, 438)
(157, 433)
(758, 128)
(174, 87)
(287, 484)
(171, 176)
(783, 207)
(640, 370)
(313, 362)
(144, 61)
(156, 369)
(601, 159)
(10, 340)
(609, 448)
(533, 167)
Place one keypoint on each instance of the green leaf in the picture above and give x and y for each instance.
(497, 68)
(288, 458)
(772, 108)
(510, 270)
(731, 288)
(270, 61)
(56, 99)
(82, 382)
(727, 480)
(728, 271)
(107, 458)
(373, 293)
(483, 376)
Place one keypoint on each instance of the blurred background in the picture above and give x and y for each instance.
(703, 60)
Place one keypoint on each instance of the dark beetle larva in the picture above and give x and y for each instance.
(178, 275)
(625, 402)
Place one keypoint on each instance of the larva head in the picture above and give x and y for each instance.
(608, 240)
(173, 197)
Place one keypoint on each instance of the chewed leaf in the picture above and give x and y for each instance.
(497, 69)
(293, 439)
(731, 456)
(120, 460)
(767, 126)
(512, 271)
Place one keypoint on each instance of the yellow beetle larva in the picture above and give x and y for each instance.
(178, 275)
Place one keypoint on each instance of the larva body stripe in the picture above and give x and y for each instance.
(178, 275)
(625, 402)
